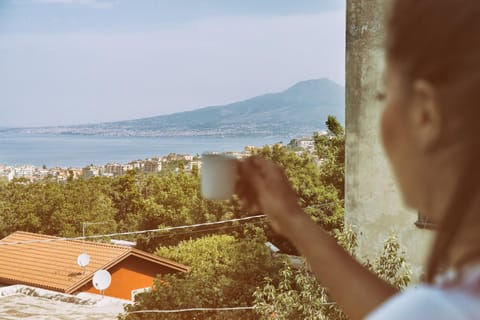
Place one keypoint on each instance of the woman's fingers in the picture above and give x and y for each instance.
(258, 182)
(249, 183)
(245, 188)
(263, 187)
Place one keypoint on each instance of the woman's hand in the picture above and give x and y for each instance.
(263, 187)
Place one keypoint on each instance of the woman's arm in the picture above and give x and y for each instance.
(264, 187)
(356, 289)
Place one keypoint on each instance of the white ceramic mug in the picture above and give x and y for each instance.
(218, 176)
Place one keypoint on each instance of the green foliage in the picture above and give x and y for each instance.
(330, 149)
(204, 255)
(334, 127)
(298, 295)
(52, 208)
(127, 200)
(174, 199)
(224, 272)
(392, 264)
(3, 181)
(173, 166)
(130, 202)
(322, 201)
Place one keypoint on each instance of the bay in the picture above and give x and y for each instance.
(78, 151)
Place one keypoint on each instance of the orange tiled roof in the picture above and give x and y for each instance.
(53, 265)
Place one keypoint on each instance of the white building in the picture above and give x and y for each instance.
(7, 172)
(113, 169)
(90, 171)
(192, 164)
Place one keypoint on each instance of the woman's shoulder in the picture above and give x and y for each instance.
(429, 302)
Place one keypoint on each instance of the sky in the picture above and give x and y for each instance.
(66, 62)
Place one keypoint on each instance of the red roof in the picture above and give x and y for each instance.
(53, 265)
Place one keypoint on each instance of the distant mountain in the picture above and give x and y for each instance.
(301, 109)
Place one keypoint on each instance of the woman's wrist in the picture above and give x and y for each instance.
(296, 224)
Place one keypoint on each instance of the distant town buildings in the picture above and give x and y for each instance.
(33, 173)
(189, 163)
(306, 143)
(113, 169)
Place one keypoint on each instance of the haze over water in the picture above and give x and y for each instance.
(79, 151)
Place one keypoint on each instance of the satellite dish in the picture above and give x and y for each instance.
(83, 260)
(102, 280)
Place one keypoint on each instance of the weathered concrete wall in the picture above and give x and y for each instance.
(372, 201)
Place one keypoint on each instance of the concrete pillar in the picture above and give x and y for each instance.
(372, 201)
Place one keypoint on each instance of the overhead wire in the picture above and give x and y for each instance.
(206, 309)
(110, 235)
(204, 230)
(159, 230)
(192, 310)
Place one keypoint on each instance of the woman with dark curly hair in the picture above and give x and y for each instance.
(431, 134)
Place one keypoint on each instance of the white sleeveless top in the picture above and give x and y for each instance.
(440, 302)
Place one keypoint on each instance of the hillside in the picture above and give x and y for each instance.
(301, 109)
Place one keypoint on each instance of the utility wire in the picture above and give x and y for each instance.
(110, 235)
(206, 309)
(204, 230)
(192, 310)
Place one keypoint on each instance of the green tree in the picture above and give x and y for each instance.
(334, 127)
(3, 181)
(127, 200)
(391, 265)
(172, 200)
(174, 166)
(330, 150)
(224, 273)
(298, 295)
(318, 198)
(19, 207)
(54, 208)
(82, 202)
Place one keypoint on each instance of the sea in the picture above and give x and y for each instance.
(77, 151)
